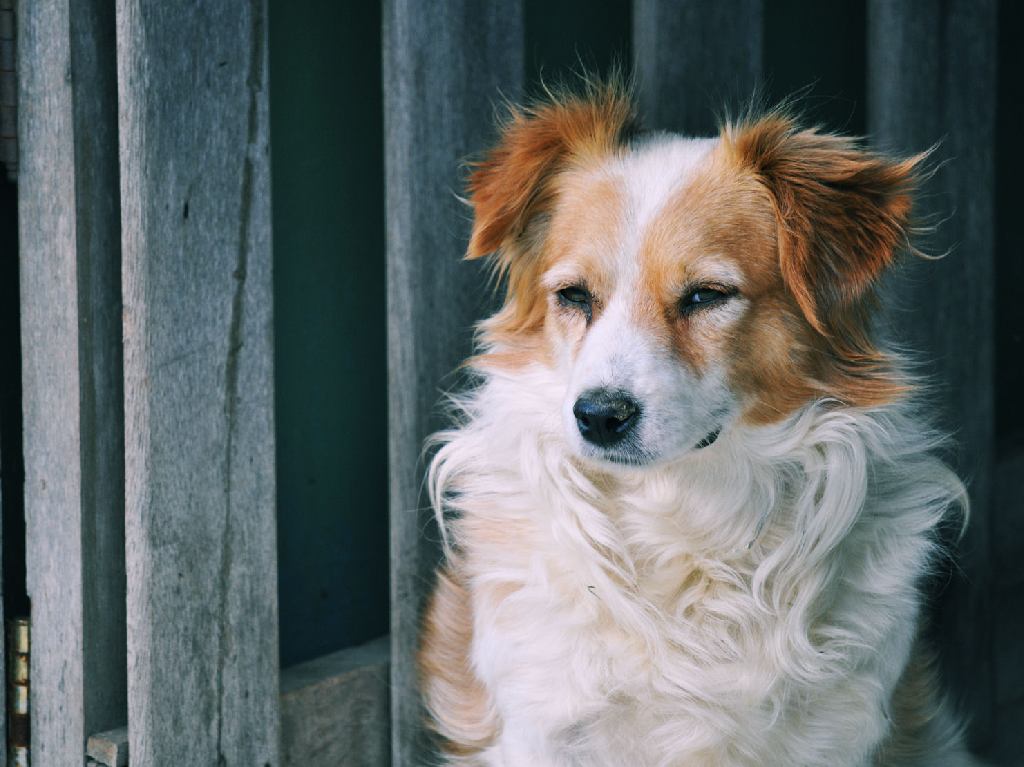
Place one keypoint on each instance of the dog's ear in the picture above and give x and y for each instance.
(843, 211)
(513, 183)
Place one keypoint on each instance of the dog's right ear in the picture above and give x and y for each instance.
(513, 183)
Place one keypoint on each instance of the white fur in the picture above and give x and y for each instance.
(656, 169)
(679, 407)
(752, 603)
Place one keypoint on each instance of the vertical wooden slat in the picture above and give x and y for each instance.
(8, 95)
(199, 426)
(694, 59)
(12, 519)
(931, 77)
(446, 65)
(71, 346)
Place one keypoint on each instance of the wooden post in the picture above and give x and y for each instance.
(334, 709)
(199, 425)
(932, 77)
(446, 66)
(694, 59)
(8, 98)
(71, 346)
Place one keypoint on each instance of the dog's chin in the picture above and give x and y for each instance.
(633, 456)
(621, 459)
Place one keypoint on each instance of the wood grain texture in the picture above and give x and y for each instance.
(1007, 535)
(199, 425)
(932, 77)
(695, 58)
(335, 709)
(446, 66)
(334, 713)
(71, 331)
(8, 103)
(109, 748)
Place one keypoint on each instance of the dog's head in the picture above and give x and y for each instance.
(679, 285)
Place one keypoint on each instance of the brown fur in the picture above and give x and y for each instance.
(918, 716)
(463, 714)
(843, 214)
(809, 219)
(815, 218)
(513, 183)
(515, 187)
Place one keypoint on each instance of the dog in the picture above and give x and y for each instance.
(688, 505)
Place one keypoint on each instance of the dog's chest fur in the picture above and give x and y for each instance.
(719, 613)
(582, 654)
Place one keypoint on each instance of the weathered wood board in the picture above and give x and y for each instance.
(931, 78)
(335, 709)
(71, 346)
(109, 748)
(446, 65)
(199, 422)
(694, 59)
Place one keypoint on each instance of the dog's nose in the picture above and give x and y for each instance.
(605, 417)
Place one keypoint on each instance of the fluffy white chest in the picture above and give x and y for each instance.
(754, 609)
(585, 666)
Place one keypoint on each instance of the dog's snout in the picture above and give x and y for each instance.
(605, 417)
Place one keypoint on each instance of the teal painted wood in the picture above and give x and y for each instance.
(198, 359)
(932, 77)
(695, 58)
(71, 331)
(446, 67)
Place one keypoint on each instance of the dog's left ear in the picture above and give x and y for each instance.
(513, 184)
(843, 211)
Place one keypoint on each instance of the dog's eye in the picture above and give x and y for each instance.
(703, 297)
(575, 297)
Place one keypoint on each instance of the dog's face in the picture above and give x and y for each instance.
(677, 286)
(649, 284)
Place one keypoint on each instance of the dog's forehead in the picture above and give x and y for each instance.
(657, 168)
(653, 214)
(630, 200)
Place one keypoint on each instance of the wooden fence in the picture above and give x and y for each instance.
(146, 299)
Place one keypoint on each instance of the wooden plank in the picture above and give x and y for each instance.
(1007, 535)
(8, 103)
(71, 330)
(199, 442)
(694, 59)
(110, 748)
(334, 713)
(335, 709)
(12, 518)
(446, 65)
(931, 77)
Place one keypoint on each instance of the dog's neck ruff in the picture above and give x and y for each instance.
(735, 574)
(815, 471)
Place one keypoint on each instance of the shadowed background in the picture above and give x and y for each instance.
(372, 107)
